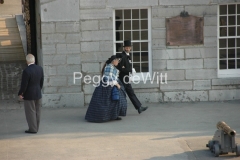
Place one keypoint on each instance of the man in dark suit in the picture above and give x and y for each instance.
(125, 68)
(30, 92)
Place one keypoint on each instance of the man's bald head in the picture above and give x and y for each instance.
(30, 58)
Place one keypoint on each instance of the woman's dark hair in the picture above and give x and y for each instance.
(109, 61)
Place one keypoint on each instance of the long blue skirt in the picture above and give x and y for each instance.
(102, 108)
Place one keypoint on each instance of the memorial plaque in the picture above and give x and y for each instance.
(184, 31)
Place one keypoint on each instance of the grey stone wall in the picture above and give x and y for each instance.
(78, 37)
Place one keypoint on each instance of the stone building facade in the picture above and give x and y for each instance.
(78, 36)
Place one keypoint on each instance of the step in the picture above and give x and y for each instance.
(10, 42)
(12, 57)
(14, 29)
(12, 46)
(11, 50)
(8, 22)
(9, 34)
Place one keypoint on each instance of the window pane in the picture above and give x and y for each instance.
(144, 46)
(223, 64)
(127, 35)
(231, 20)
(232, 31)
(118, 14)
(119, 36)
(136, 46)
(231, 64)
(137, 67)
(222, 53)
(144, 13)
(222, 43)
(223, 31)
(135, 14)
(231, 42)
(144, 24)
(238, 42)
(144, 56)
(127, 14)
(144, 67)
(119, 47)
(118, 25)
(238, 63)
(238, 31)
(238, 20)
(144, 35)
(232, 9)
(136, 35)
(136, 57)
(238, 53)
(223, 9)
(127, 25)
(223, 21)
(238, 8)
(231, 53)
(135, 24)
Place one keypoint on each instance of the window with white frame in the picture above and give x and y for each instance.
(229, 40)
(134, 25)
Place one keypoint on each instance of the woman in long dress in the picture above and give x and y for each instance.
(102, 108)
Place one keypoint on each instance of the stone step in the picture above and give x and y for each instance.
(8, 22)
(9, 34)
(11, 50)
(12, 46)
(10, 42)
(9, 30)
(5, 57)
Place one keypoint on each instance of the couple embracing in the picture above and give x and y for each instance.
(115, 73)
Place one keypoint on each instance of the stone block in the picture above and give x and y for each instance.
(73, 38)
(50, 70)
(183, 2)
(104, 35)
(210, 52)
(106, 46)
(56, 81)
(200, 74)
(92, 4)
(194, 53)
(149, 97)
(53, 38)
(67, 27)
(48, 27)
(210, 41)
(202, 10)
(68, 69)
(224, 95)
(145, 83)
(89, 25)
(210, 20)
(158, 43)
(132, 3)
(210, 63)
(54, 59)
(168, 54)
(63, 100)
(89, 14)
(158, 23)
(73, 59)
(176, 85)
(185, 64)
(159, 65)
(54, 11)
(88, 88)
(91, 67)
(186, 96)
(68, 48)
(166, 11)
(69, 89)
(226, 81)
(106, 25)
(226, 87)
(159, 33)
(224, 1)
(90, 47)
(95, 56)
(48, 49)
(49, 90)
(174, 75)
(88, 98)
(202, 85)
(210, 31)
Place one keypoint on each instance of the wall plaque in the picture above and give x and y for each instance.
(184, 31)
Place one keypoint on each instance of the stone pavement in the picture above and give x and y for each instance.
(166, 131)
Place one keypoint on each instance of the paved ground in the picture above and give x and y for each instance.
(169, 131)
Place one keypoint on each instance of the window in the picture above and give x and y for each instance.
(229, 40)
(134, 25)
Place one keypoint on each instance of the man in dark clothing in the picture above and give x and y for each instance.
(125, 68)
(30, 92)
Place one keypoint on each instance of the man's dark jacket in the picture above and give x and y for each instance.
(32, 83)
(127, 66)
